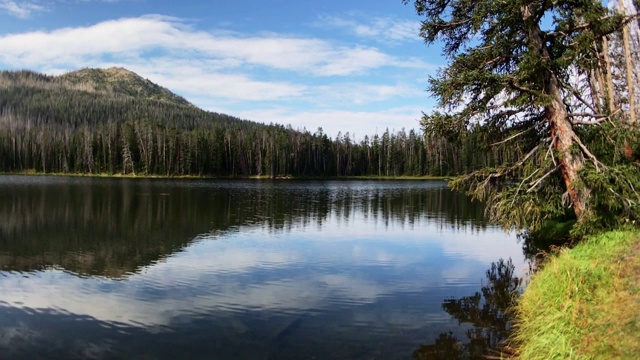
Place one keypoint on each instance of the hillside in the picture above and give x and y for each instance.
(98, 96)
(107, 82)
(112, 121)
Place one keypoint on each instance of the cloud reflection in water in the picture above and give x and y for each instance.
(257, 266)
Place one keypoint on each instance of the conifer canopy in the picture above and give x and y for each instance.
(536, 76)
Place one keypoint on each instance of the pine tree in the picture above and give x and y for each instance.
(520, 70)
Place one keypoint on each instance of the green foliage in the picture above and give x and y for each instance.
(614, 180)
(512, 204)
(551, 235)
(517, 82)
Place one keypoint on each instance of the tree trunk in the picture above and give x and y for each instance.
(608, 69)
(596, 96)
(562, 133)
(629, 67)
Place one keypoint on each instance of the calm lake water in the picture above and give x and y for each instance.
(177, 269)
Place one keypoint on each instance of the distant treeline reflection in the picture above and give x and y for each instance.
(111, 227)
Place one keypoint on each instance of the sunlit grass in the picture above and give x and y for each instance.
(584, 303)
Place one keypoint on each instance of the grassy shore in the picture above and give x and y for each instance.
(104, 175)
(584, 303)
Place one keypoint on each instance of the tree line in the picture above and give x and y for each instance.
(48, 125)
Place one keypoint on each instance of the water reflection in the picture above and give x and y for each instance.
(104, 268)
(116, 227)
(487, 311)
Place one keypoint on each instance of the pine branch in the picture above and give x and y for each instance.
(501, 173)
(553, 35)
(539, 181)
(550, 152)
(630, 18)
(625, 179)
(512, 83)
(587, 122)
(600, 118)
(588, 153)
(512, 137)
(529, 154)
(577, 95)
(522, 183)
(567, 32)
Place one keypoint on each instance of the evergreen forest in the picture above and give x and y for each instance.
(112, 121)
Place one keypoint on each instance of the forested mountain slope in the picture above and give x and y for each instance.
(113, 121)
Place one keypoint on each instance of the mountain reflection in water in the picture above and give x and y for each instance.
(120, 268)
(113, 228)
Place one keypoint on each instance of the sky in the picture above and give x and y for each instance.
(354, 66)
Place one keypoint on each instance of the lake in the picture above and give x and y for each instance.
(97, 268)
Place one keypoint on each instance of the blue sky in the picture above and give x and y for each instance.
(353, 66)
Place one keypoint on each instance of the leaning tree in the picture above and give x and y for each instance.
(536, 75)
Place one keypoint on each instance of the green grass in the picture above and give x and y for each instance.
(584, 303)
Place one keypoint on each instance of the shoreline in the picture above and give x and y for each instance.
(251, 177)
(584, 303)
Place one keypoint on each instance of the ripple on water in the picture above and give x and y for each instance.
(235, 269)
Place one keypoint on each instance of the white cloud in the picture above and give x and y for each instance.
(363, 93)
(386, 30)
(357, 123)
(227, 291)
(203, 80)
(20, 9)
(137, 37)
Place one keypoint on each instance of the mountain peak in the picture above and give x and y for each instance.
(118, 80)
(119, 72)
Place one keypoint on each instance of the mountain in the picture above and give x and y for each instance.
(108, 82)
(98, 96)
(112, 121)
